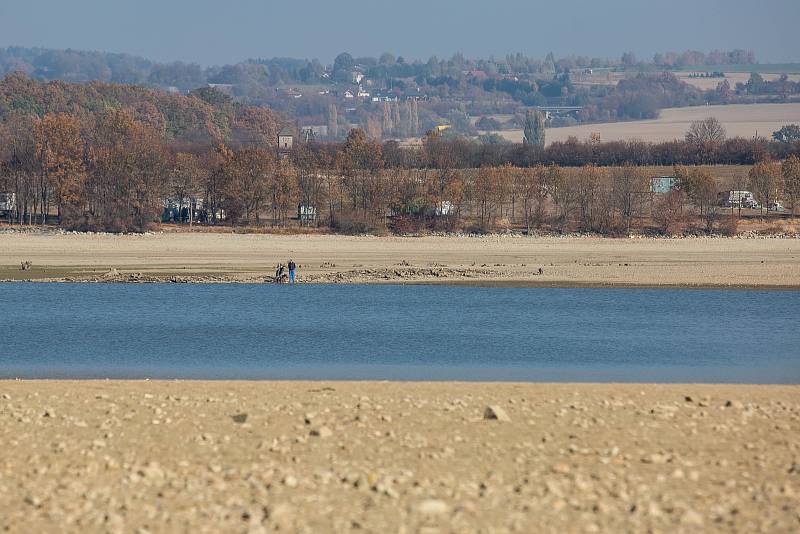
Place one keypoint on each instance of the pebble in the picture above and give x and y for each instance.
(322, 432)
(432, 507)
(690, 517)
(496, 413)
(560, 468)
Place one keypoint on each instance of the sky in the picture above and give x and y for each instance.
(214, 32)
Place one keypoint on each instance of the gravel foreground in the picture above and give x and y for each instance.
(120, 456)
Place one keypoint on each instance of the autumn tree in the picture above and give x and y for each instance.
(487, 195)
(60, 159)
(311, 165)
(333, 121)
(360, 160)
(790, 169)
(534, 128)
(283, 190)
(216, 163)
(185, 178)
(19, 167)
(668, 210)
(126, 183)
(765, 180)
(594, 199)
(701, 189)
(533, 193)
(247, 178)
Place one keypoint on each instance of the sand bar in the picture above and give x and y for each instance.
(107, 456)
(500, 259)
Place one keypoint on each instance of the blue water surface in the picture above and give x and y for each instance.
(237, 331)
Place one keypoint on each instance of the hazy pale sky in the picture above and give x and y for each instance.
(218, 31)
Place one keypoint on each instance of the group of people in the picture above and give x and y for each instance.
(281, 276)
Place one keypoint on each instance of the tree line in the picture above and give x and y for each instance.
(85, 66)
(114, 172)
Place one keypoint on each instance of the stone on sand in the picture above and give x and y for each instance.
(496, 413)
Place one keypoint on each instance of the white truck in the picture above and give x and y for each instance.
(737, 199)
(8, 205)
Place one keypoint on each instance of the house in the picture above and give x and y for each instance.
(477, 75)
(306, 212)
(362, 93)
(349, 94)
(291, 93)
(285, 141)
(662, 184)
(226, 88)
(311, 133)
(445, 208)
(416, 95)
(385, 97)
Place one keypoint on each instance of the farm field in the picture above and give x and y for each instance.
(761, 68)
(743, 120)
(732, 77)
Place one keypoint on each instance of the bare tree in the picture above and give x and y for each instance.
(564, 191)
(706, 132)
(630, 186)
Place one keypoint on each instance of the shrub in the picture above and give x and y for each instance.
(729, 226)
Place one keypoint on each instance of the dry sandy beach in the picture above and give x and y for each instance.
(505, 259)
(106, 456)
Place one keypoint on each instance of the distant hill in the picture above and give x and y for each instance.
(75, 65)
(80, 66)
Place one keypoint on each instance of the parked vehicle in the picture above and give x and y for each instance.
(736, 199)
(775, 206)
(8, 204)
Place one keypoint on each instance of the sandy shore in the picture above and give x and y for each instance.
(397, 457)
(203, 257)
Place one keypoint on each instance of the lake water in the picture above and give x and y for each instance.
(398, 333)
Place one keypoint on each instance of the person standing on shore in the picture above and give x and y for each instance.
(280, 276)
(292, 268)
